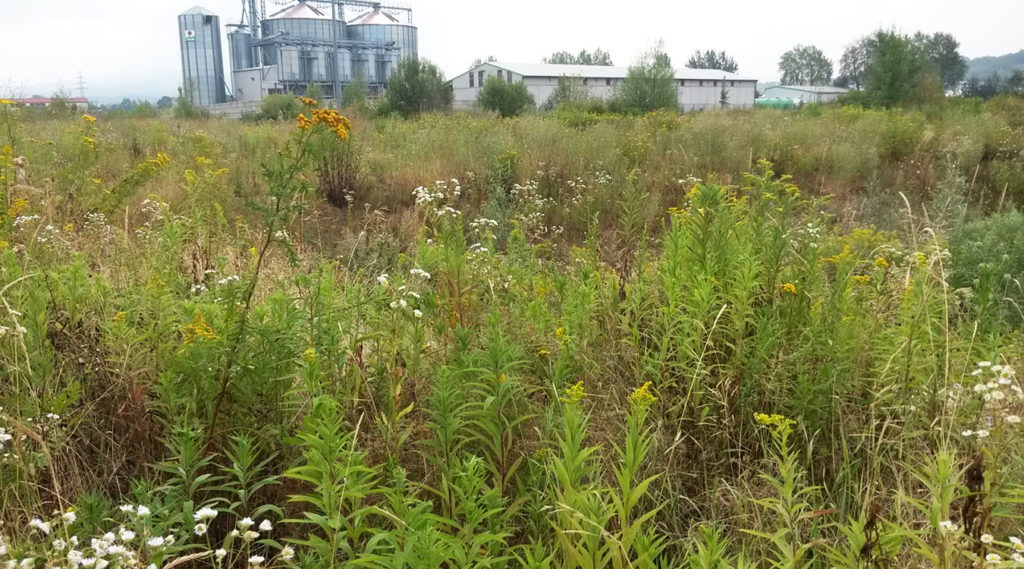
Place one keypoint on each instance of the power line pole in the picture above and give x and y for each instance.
(81, 84)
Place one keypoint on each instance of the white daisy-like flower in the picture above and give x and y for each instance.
(985, 364)
(102, 564)
(265, 525)
(993, 558)
(947, 525)
(250, 535)
(205, 514)
(126, 534)
(40, 525)
(69, 517)
(142, 511)
(1013, 419)
(982, 434)
(256, 560)
(417, 313)
(157, 541)
(234, 533)
(967, 433)
(27, 563)
(383, 279)
(200, 529)
(245, 523)
(987, 538)
(127, 508)
(287, 553)
(977, 372)
(220, 553)
(59, 545)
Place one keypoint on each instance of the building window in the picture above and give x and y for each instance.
(608, 82)
(499, 74)
(682, 83)
(480, 77)
(702, 83)
(509, 76)
(732, 83)
(470, 79)
(585, 80)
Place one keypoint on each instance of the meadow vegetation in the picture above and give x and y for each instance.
(575, 340)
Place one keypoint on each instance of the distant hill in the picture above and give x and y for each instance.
(1004, 65)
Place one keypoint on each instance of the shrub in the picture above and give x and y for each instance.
(988, 259)
(417, 86)
(507, 99)
(279, 107)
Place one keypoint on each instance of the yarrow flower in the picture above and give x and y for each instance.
(987, 538)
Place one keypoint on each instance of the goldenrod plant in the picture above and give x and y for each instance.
(456, 341)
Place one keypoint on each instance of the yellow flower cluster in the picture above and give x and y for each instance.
(788, 287)
(309, 355)
(89, 118)
(304, 122)
(774, 420)
(839, 257)
(120, 318)
(881, 263)
(89, 141)
(198, 329)
(17, 207)
(333, 119)
(862, 279)
(6, 102)
(7, 150)
(641, 396)
(575, 394)
(308, 102)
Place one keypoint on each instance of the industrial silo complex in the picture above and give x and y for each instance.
(202, 60)
(308, 42)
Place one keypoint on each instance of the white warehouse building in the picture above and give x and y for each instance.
(698, 89)
(805, 93)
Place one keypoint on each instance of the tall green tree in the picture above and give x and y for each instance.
(650, 83)
(899, 71)
(805, 65)
(417, 86)
(712, 59)
(584, 57)
(508, 99)
(942, 50)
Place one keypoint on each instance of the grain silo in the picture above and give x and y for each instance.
(377, 27)
(202, 59)
(308, 43)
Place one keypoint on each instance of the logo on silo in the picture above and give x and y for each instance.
(190, 35)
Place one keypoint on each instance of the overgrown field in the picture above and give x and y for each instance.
(721, 340)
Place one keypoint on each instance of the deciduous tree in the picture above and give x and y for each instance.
(805, 65)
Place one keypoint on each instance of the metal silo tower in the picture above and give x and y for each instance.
(202, 59)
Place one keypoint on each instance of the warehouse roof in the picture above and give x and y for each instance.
(605, 71)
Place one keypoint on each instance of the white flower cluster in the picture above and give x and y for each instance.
(1014, 544)
(420, 273)
(24, 220)
(436, 200)
(123, 548)
(18, 330)
(1001, 398)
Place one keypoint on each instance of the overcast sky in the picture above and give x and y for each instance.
(129, 48)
